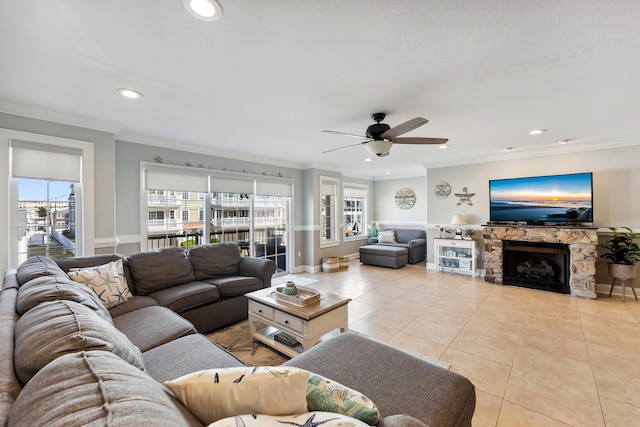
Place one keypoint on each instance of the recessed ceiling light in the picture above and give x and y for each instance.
(443, 147)
(206, 10)
(506, 149)
(368, 159)
(387, 173)
(129, 93)
(563, 141)
(537, 131)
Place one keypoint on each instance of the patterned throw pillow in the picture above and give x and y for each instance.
(214, 394)
(104, 280)
(388, 236)
(326, 419)
(327, 395)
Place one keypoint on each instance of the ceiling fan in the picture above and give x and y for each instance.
(380, 136)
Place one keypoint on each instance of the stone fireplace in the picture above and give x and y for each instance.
(576, 275)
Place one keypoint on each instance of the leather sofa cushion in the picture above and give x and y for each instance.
(95, 388)
(150, 327)
(152, 271)
(186, 296)
(38, 266)
(42, 289)
(55, 328)
(217, 260)
(234, 286)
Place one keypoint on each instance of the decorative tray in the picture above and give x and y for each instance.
(303, 298)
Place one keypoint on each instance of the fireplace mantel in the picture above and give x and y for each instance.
(582, 246)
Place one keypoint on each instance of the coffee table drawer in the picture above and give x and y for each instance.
(261, 310)
(292, 322)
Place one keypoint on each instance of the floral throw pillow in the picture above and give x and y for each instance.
(327, 395)
(387, 237)
(104, 280)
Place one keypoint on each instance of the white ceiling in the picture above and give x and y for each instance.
(261, 83)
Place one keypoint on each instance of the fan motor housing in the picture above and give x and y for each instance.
(374, 131)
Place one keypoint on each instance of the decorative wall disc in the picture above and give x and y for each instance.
(442, 190)
(405, 198)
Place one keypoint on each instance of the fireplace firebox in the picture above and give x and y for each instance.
(536, 265)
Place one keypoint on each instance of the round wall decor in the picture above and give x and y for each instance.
(405, 198)
(442, 190)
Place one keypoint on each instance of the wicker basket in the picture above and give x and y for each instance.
(344, 263)
(330, 264)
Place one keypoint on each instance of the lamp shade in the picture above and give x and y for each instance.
(458, 219)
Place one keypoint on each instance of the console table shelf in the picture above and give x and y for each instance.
(455, 255)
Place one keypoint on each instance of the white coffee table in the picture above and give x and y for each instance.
(268, 316)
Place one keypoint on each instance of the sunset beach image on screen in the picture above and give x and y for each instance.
(554, 198)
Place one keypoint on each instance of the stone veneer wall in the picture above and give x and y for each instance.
(582, 245)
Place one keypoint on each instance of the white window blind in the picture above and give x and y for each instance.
(357, 192)
(267, 188)
(231, 185)
(159, 177)
(327, 188)
(45, 161)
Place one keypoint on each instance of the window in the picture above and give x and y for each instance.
(328, 211)
(185, 215)
(355, 210)
(50, 196)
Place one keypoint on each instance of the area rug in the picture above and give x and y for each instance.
(295, 278)
(236, 340)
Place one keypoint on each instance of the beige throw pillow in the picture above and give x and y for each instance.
(104, 280)
(215, 394)
(387, 237)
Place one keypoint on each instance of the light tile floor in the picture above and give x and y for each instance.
(536, 358)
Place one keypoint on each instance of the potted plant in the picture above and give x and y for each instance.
(468, 234)
(623, 254)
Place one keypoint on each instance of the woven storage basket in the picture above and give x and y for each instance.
(330, 264)
(344, 263)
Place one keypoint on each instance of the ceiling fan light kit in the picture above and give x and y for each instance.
(381, 136)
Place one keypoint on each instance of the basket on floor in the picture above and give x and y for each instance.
(344, 263)
(330, 264)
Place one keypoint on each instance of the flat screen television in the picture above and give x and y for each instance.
(543, 200)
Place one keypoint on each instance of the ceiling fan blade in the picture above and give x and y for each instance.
(419, 140)
(345, 134)
(403, 128)
(344, 148)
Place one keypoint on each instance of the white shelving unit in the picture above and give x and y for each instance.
(455, 255)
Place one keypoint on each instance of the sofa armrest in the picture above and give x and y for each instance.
(372, 240)
(261, 268)
(417, 243)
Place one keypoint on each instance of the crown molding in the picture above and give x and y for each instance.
(59, 117)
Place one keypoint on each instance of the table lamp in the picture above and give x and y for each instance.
(458, 220)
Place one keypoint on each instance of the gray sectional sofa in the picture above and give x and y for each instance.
(415, 241)
(65, 360)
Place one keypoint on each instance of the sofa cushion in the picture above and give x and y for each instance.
(233, 286)
(186, 296)
(210, 261)
(152, 271)
(55, 328)
(94, 388)
(170, 361)
(135, 303)
(326, 419)
(219, 393)
(43, 289)
(105, 281)
(38, 266)
(152, 326)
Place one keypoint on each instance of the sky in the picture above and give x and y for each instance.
(36, 190)
(558, 187)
